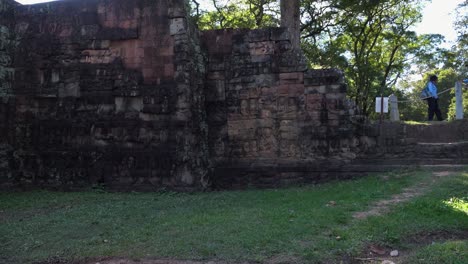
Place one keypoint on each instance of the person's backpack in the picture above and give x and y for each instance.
(424, 94)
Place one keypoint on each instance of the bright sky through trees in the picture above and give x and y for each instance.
(438, 16)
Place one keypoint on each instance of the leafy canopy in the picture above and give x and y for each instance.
(373, 42)
(240, 14)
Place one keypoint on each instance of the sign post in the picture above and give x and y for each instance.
(381, 105)
(458, 101)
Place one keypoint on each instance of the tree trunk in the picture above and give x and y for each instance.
(291, 19)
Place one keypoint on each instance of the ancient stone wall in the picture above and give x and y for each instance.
(127, 94)
(440, 140)
(7, 45)
(108, 92)
(272, 120)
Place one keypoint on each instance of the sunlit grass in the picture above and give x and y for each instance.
(453, 252)
(311, 223)
(460, 204)
(423, 123)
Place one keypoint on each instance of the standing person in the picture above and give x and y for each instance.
(433, 100)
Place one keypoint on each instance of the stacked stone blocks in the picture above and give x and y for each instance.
(105, 93)
(265, 107)
(129, 94)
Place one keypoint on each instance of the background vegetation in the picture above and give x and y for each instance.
(372, 41)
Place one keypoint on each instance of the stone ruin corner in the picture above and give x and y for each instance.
(129, 94)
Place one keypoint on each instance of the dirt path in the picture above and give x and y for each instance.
(376, 254)
(383, 206)
(379, 208)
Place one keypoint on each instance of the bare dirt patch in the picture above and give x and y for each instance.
(375, 253)
(383, 206)
(428, 238)
(442, 173)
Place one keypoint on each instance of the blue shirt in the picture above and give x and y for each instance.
(432, 89)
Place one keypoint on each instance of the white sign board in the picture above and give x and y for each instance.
(378, 107)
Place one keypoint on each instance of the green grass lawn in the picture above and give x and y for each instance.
(254, 225)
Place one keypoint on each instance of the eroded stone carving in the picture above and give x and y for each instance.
(129, 94)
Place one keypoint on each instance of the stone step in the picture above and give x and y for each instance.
(385, 168)
(382, 165)
(443, 167)
(455, 143)
(410, 161)
(452, 150)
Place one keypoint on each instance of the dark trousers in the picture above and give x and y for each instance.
(433, 108)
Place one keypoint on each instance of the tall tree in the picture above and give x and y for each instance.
(460, 52)
(259, 9)
(291, 19)
(461, 48)
(371, 42)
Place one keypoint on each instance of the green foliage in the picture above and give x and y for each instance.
(416, 109)
(413, 109)
(240, 14)
(428, 55)
(452, 108)
(460, 55)
(461, 49)
(370, 40)
(235, 226)
(448, 64)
